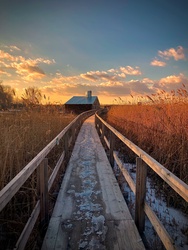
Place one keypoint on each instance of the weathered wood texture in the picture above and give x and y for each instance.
(179, 186)
(44, 191)
(44, 185)
(141, 174)
(90, 212)
(159, 228)
(15, 184)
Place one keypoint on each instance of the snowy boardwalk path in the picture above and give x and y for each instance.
(90, 212)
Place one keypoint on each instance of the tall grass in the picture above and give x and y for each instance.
(23, 135)
(159, 127)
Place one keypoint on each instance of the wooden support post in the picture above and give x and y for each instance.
(44, 191)
(97, 125)
(66, 146)
(96, 121)
(141, 174)
(72, 133)
(112, 141)
(102, 134)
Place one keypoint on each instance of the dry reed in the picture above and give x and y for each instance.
(159, 127)
(23, 135)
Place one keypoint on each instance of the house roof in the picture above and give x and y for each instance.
(82, 100)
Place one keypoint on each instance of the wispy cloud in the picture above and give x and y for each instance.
(11, 48)
(112, 88)
(3, 72)
(128, 70)
(19, 69)
(101, 76)
(177, 54)
(158, 63)
(27, 68)
(171, 82)
(106, 83)
(111, 75)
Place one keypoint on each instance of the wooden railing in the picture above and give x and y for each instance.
(40, 162)
(108, 135)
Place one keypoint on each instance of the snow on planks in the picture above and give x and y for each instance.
(90, 212)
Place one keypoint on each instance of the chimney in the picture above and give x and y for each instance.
(89, 94)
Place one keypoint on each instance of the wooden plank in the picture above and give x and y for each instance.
(114, 202)
(159, 228)
(102, 133)
(55, 171)
(128, 237)
(106, 141)
(15, 184)
(125, 173)
(112, 142)
(44, 191)
(178, 185)
(141, 174)
(161, 231)
(22, 241)
(74, 218)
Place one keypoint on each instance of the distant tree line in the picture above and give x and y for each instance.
(31, 96)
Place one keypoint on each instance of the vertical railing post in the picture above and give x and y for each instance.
(102, 135)
(97, 125)
(66, 145)
(141, 174)
(73, 132)
(43, 184)
(95, 121)
(112, 142)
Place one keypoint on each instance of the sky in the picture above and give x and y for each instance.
(113, 48)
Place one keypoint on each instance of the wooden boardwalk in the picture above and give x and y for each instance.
(90, 212)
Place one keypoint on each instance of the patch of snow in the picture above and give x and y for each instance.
(172, 219)
(83, 244)
(87, 195)
(98, 223)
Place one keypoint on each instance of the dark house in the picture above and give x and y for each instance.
(79, 104)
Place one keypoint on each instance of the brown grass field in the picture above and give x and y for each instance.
(23, 135)
(159, 127)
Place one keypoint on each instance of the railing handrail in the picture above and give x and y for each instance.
(177, 184)
(139, 188)
(16, 183)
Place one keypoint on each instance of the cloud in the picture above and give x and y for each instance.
(3, 72)
(113, 75)
(89, 76)
(141, 87)
(65, 79)
(29, 72)
(112, 70)
(128, 70)
(177, 54)
(148, 81)
(171, 82)
(11, 48)
(158, 63)
(6, 56)
(28, 68)
(63, 88)
(108, 75)
(111, 84)
(42, 60)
